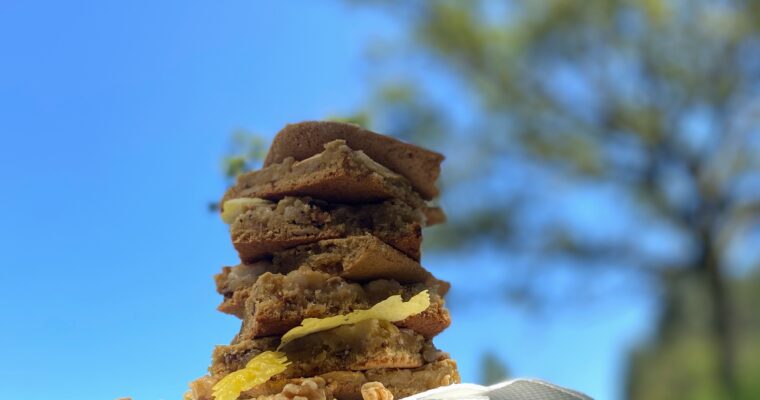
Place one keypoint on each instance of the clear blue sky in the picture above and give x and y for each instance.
(114, 117)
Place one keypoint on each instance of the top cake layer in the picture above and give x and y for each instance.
(338, 174)
(303, 140)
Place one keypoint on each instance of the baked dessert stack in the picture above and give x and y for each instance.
(329, 234)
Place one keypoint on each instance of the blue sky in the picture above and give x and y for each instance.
(114, 117)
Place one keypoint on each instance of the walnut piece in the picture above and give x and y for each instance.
(308, 389)
(376, 391)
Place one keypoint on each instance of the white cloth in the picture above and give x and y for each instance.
(515, 389)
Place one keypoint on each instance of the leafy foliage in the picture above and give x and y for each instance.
(247, 151)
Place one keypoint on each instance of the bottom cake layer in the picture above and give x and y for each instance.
(346, 385)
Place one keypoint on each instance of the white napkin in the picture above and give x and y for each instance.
(515, 389)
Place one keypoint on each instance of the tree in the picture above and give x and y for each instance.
(682, 359)
(652, 103)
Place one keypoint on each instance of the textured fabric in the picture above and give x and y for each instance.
(517, 389)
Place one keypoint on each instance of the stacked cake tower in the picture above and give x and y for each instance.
(331, 225)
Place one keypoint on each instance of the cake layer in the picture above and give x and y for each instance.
(356, 258)
(337, 175)
(346, 385)
(262, 228)
(366, 345)
(303, 140)
(278, 303)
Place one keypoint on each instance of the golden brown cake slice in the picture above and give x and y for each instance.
(355, 258)
(346, 385)
(260, 228)
(278, 303)
(366, 345)
(303, 140)
(336, 175)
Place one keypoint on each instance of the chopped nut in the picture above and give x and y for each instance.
(231, 209)
(308, 389)
(376, 391)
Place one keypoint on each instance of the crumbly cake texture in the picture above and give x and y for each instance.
(346, 385)
(369, 344)
(303, 140)
(356, 258)
(278, 303)
(264, 229)
(234, 283)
